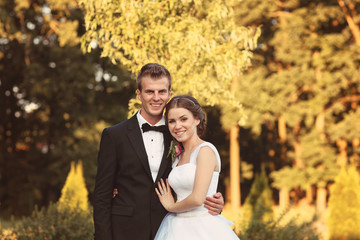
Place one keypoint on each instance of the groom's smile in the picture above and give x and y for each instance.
(154, 95)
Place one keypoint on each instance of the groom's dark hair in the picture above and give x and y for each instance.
(153, 70)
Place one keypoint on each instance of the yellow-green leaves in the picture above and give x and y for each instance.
(68, 33)
(344, 205)
(198, 41)
(21, 5)
(74, 193)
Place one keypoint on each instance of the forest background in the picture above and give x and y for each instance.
(285, 101)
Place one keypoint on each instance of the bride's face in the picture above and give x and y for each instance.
(182, 124)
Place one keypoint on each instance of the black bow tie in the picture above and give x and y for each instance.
(146, 127)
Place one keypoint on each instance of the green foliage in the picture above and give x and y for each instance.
(53, 101)
(281, 178)
(258, 229)
(319, 160)
(198, 41)
(319, 165)
(348, 128)
(53, 224)
(306, 64)
(344, 205)
(74, 193)
(259, 197)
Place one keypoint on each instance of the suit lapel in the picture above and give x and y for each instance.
(137, 143)
(165, 160)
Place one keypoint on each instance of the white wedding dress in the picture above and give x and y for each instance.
(196, 224)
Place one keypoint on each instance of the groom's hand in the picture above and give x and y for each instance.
(215, 204)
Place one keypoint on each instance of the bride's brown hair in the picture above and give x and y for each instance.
(190, 103)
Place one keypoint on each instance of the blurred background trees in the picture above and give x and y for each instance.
(168, 32)
(69, 218)
(305, 74)
(54, 101)
(344, 221)
(298, 84)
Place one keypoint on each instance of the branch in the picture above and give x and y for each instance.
(353, 27)
(280, 13)
(343, 100)
(352, 98)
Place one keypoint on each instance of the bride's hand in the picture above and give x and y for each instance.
(164, 193)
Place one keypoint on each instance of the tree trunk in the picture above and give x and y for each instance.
(321, 199)
(298, 150)
(321, 191)
(320, 122)
(309, 195)
(350, 20)
(284, 198)
(354, 158)
(235, 194)
(282, 129)
(342, 158)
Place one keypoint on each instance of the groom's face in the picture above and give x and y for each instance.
(154, 95)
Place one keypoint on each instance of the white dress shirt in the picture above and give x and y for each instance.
(154, 145)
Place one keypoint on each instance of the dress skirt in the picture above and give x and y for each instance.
(202, 226)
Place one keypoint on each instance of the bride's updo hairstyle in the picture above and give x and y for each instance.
(190, 103)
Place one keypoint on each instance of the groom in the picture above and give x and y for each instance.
(132, 159)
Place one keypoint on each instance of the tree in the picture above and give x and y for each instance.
(306, 81)
(344, 205)
(52, 98)
(74, 193)
(259, 200)
(198, 41)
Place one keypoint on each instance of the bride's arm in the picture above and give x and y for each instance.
(206, 164)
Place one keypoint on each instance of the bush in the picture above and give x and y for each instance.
(259, 197)
(258, 229)
(53, 223)
(6, 232)
(74, 193)
(344, 206)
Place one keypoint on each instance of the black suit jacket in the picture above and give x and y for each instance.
(136, 212)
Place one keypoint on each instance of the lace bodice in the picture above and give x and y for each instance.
(181, 178)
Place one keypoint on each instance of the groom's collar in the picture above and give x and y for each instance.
(142, 120)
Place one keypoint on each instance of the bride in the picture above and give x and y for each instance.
(194, 176)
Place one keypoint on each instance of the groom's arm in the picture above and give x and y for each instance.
(215, 204)
(104, 186)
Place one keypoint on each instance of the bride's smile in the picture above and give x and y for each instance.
(182, 124)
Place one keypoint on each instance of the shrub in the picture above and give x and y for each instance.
(259, 197)
(74, 193)
(53, 224)
(68, 219)
(258, 229)
(344, 206)
(6, 231)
